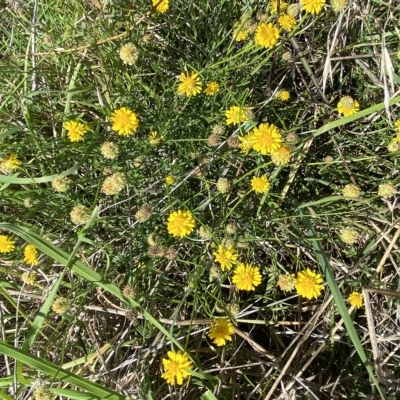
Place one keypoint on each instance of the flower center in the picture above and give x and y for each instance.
(268, 140)
(247, 279)
(174, 368)
(190, 83)
(180, 221)
(348, 102)
(222, 259)
(309, 283)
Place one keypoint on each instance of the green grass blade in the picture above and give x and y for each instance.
(57, 373)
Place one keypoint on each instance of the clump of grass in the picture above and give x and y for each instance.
(176, 176)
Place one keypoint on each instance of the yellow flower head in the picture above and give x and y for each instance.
(348, 106)
(240, 34)
(274, 6)
(180, 223)
(397, 126)
(286, 282)
(260, 184)
(226, 257)
(190, 84)
(386, 190)
(246, 277)
(355, 299)
(312, 6)
(267, 35)
(176, 367)
(348, 235)
(246, 143)
(266, 139)
(9, 163)
(113, 184)
(286, 22)
(281, 156)
(30, 255)
(308, 284)
(169, 180)
(154, 138)
(6, 244)
(351, 191)
(124, 121)
(161, 5)
(282, 95)
(129, 53)
(235, 115)
(75, 130)
(221, 330)
(211, 89)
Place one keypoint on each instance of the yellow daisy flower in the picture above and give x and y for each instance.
(312, 6)
(308, 284)
(260, 184)
(6, 244)
(190, 84)
(355, 299)
(266, 139)
(240, 35)
(9, 163)
(169, 180)
(267, 35)
(161, 5)
(281, 156)
(180, 223)
(176, 367)
(30, 255)
(124, 121)
(221, 330)
(286, 22)
(226, 257)
(282, 95)
(211, 89)
(75, 130)
(235, 115)
(246, 277)
(348, 106)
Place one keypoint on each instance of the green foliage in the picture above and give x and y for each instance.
(136, 291)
